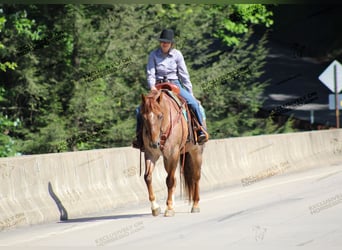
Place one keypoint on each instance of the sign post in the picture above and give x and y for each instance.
(332, 102)
(330, 78)
(337, 112)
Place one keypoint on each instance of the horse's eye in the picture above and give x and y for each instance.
(160, 116)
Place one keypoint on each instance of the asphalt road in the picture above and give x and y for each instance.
(302, 45)
(281, 212)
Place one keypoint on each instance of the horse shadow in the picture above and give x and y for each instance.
(63, 212)
(64, 218)
(109, 217)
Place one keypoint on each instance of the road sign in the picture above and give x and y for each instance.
(327, 77)
(332, 101)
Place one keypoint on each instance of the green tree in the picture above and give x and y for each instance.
(7, 126)
(237, 20)
(73, 74)
(7, 144)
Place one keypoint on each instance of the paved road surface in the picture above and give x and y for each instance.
(302, 45)
(301, 210)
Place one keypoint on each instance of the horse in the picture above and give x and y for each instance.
(165, 133)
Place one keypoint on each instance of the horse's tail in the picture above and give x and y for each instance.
(191, 175)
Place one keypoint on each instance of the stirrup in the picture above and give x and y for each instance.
(203, 137)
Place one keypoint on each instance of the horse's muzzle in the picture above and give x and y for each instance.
(155, 144)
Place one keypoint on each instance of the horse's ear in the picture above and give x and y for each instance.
(143, 98)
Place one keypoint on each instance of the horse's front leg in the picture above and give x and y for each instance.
(170, 166)
(150, 165)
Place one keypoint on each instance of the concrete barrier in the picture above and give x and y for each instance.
(52, 187)
(247, 160)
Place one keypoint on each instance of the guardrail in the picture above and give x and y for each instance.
(52, 187)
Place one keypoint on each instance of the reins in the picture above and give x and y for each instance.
(165, 134)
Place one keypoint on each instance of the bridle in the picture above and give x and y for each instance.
(164, 134)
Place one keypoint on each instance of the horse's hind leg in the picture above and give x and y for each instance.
(196, 164)
(195, 207)
(192, 176)
(148, 180)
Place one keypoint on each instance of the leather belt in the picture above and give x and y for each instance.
(165, 80)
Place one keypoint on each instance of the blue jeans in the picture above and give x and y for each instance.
(190, 99)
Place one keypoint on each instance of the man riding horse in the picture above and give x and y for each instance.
(166, 64)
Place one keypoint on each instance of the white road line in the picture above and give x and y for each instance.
(250, 189)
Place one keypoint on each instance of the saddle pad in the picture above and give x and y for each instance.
(180, 104)
(174, 97)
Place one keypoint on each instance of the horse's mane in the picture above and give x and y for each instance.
(150, 103)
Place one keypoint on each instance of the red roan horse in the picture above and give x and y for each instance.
(165, 133)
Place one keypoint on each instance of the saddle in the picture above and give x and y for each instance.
(173, 91)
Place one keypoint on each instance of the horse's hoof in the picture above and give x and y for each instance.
(195, 210)
(156, 211)
(169, 213)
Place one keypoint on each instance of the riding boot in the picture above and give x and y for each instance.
(202, 134)
(138, 141)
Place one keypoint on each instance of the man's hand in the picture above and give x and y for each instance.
(154, 88)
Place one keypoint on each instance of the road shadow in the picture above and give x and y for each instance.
(109, 217)
(63, 212)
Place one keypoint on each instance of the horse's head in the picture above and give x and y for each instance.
(153, 114)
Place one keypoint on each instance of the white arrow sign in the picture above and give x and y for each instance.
(327, 77)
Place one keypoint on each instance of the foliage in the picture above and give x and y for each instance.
(7, 144)
(72, 75)
(7, 126)
(234, 96)
(237, 19)
(7, 147)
